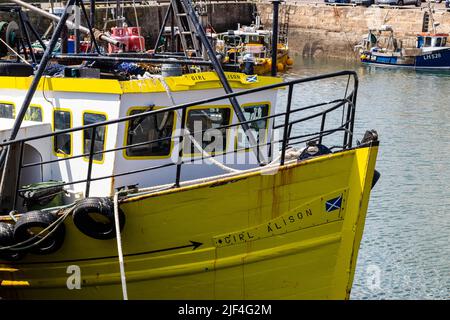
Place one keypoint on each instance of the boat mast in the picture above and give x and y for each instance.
(276, 4)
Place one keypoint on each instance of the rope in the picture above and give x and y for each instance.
(119, 246)
(194, 142)
(18, 55)
(54, 226)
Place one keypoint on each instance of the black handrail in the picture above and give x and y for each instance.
(346, 126)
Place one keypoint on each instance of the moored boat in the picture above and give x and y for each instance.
(252, 45)
(140, 189)
(430, 49)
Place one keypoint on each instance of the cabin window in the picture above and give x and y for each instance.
(427, 42)
(438, 42)
(155, 127)
(258, 127)
(444, 41)
(208, 120)
(100, 133)
(6, 110)
(62, 144)
(34, 113)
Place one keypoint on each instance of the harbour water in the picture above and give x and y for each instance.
(405, 250)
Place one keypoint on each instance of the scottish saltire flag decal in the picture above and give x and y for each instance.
(333, 204)
(253, 78)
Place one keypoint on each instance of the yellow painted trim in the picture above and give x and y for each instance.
(39, 107)
(252, 104)
(104, 141)
(124, 151)
(83, 85)
(222, 106)
(13, 105)
(13, 283)
(62, 155)
(187, 82)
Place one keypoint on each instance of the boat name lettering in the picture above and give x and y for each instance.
(198, 78)
(282, 224)
(233, 77)
(432, 56)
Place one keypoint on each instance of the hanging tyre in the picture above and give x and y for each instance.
(95, 218)
(15, 69)
(32, 223)
(7, 239)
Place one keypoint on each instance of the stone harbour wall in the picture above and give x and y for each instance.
(333, 31)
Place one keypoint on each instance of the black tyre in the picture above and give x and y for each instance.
(400, 2)
(7, 239)
(15, 69)
(33, 222)
(418, 3)
(95, 218)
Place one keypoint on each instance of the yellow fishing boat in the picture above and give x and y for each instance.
(296, 221)
(251, 45)
(139, 189)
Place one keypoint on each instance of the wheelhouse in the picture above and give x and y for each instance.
(427, 40)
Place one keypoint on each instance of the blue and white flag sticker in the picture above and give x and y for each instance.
(333, 204)
(252, 79)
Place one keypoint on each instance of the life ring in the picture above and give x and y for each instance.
(7, 239)
(33, 222)
(95, 218)
(15, 69)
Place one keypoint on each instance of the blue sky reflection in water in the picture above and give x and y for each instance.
(405, 250)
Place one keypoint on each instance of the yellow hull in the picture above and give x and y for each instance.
(265, 68)
(270, 235)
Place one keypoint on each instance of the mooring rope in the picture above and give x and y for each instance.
(123, 278)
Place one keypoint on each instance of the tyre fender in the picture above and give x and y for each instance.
(95, 218)
(31, 223)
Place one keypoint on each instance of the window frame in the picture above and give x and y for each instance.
(230, 121)
(252, 104)
(13, 108)
(125, 139)
(39, 107)
(86, 158)
(62, 155)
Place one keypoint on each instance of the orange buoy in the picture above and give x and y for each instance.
(280, 66)
(289, 61)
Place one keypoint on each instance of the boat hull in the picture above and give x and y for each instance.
(292, 232)
(433, 60)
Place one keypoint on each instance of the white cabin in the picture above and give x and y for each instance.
(64, 103)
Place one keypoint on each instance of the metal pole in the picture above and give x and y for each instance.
(91, 160)
(92, 13)
(126, 59)
(70, 24)
(77, 27)
(161, 31)
(221, 74)
(44, 61)
(276, 4)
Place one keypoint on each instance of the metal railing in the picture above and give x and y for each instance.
(288, 117)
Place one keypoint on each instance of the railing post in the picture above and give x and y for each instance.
(19, 173)
(91, 159)
(286, 124)
(322, 127)
(180, 148)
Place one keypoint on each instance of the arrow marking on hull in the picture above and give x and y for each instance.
(194, 245)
